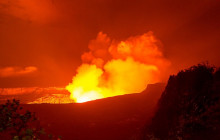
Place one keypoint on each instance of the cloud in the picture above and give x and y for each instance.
(40, 11)
(16, 71)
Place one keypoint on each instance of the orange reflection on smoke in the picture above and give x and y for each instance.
(112, 68)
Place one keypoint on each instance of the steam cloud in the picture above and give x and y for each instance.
(113, 68)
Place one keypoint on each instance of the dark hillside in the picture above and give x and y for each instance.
(189, 108)
(115, 118)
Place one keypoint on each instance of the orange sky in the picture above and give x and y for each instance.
(41, 41)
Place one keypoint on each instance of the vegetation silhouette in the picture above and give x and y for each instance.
(17, 124)
(189, 107)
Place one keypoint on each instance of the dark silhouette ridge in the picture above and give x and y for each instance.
(114, 118)
(189, 108)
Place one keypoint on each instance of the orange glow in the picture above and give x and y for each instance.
(36, 95)
(112, 68)
(40, 11)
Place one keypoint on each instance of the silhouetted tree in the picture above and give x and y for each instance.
(16, 124)
(189, 108)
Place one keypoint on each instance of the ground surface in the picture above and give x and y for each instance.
(115, 118)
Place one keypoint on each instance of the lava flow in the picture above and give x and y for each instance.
(112, 68)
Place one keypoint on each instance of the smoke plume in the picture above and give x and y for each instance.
(112, 67)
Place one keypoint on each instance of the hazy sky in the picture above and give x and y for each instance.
(41, 41)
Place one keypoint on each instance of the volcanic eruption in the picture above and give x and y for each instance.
(112, 67)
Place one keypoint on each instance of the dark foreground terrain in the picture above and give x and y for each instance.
(189, 107)
(115, 118)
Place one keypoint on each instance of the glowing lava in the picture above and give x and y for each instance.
(114, 68)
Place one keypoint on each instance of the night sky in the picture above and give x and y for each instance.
(41, 41)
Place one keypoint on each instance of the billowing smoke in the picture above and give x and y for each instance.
(113, 67)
